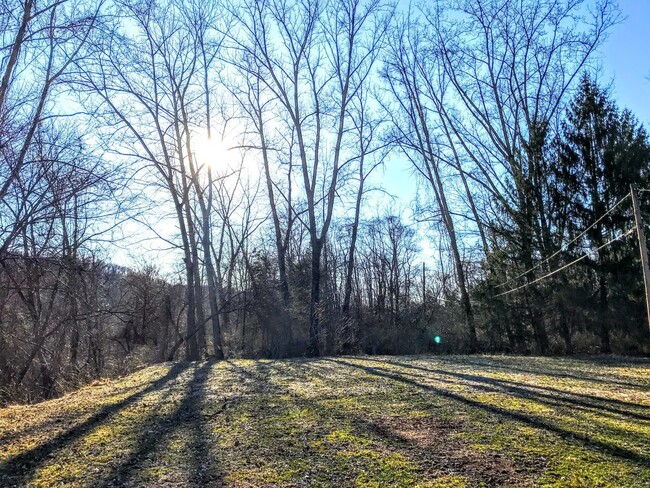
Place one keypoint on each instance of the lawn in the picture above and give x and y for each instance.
(456, 421)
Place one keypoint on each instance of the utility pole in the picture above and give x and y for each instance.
(642, 249)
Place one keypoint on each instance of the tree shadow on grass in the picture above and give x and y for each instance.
(54, 421)
(543, 394)
(200, 466)
(386, 452)
(536, 422)
(19, 469)
(513, 366)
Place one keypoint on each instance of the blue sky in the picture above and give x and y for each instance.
(624, 62)
(625, 59)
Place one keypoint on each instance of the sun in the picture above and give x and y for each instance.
(224, 156)
(215, 151)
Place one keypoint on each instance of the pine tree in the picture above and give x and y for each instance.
(601, 151)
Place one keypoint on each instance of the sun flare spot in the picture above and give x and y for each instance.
(215, 151)
(225, 156)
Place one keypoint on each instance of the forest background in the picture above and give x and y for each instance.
(279, 178)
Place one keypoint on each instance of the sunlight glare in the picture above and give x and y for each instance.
(213, 151)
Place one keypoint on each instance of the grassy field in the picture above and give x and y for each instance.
(451, 421)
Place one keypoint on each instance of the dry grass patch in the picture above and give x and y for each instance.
(457, 421)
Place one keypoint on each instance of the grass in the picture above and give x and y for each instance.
(454, 421)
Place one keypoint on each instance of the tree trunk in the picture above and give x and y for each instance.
(314, 306)
(565, 331)
(605, 345)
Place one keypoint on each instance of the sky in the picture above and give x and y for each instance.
(625, 59)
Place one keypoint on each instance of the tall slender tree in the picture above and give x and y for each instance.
(313, 57)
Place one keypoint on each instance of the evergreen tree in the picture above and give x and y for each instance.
(601, 152)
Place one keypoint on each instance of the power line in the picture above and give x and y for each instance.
(564, 247)
(625, 234)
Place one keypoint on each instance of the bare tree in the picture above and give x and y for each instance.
(410, 82)
(369, 156)
(42, 267)
(511, 65)
(313, 57)
(41, 41)
(151, 80)
(258, 105)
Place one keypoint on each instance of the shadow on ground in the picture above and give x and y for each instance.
(381, 421)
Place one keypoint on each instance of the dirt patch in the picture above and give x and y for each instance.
(432, 442)
(423, 431)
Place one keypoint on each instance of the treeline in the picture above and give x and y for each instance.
(113, 122)
(85, 319)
